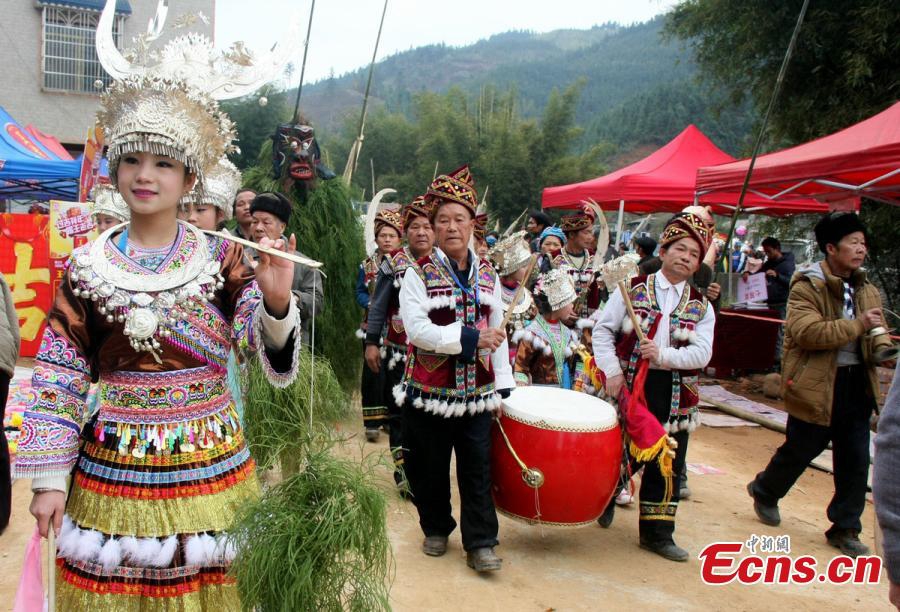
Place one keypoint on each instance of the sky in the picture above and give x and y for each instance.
(343, 34)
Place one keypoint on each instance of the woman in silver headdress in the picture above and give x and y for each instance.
(151, 309)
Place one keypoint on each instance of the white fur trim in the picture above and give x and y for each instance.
(627, 325)
(548, 350)
(148, 551)
(360, 334)
(130, 549)
(111, 554)
(692, 337)
(209, 549)
(443, 407)
(417, 403)
(584, 323)
(382, 352)
(568, 351)
(400, 394)
(480, 405)
(166, 552)
(90, 542)
(518, 335)
(227, 547)
(194, 551)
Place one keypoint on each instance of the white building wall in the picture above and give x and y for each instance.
(68, 116)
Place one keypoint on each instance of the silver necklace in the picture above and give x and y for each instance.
(143, 302)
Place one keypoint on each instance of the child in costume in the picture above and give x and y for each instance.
(546, 353)
(109, 208)
(151, 311)
(511, 257)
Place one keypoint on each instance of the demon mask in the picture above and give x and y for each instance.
(296, 156)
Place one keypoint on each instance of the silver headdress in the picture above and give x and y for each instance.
(558, 288)
(165, 101)
(219, 187)
(510, 254)
(108, 201)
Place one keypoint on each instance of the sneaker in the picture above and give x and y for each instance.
(483, 559)
(768, 515)
(372, 435)
(848, 542)
(666, 549)
(684, 493)
(624, 498)
(434, 546)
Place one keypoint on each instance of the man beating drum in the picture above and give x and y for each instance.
(678, 324)
(457, 369)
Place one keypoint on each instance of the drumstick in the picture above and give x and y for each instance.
(312, 263)
(51, 567)
(518, 295)
(628, 306)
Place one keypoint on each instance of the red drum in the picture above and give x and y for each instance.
(574, 443)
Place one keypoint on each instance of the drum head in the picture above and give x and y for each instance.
(559, 409)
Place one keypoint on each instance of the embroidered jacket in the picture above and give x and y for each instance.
(685, 338)
(83, 343)
(365, 287)
(523, 314)
(546, 355)
(582, 276)
(445, 372)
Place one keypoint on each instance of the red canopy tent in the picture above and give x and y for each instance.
(861, 160)
(665, 181)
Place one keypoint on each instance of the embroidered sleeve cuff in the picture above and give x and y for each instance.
(277, 331)
(468, 338)
(54, 483)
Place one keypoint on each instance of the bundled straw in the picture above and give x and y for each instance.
(317, 541)
(277, 421)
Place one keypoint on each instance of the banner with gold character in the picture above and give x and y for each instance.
(70, 227)
(24, 262)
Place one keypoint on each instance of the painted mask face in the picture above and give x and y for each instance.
(296, 155)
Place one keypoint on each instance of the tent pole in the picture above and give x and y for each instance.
(620, 222)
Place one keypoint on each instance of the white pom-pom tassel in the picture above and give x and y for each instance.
(517, 336)
(692, 337)
(627, 325)
(89, 544)
(568, 351)
(418, 403)
(229, 549)
(360, 334)
(130, 549)
(166, 552)
(400, 395)
(148, 551)
(194, 552)
(548, 351)
(209, 549)
(472, 407)
(480, 405)
(111, 554)
(459, 408)
(67, 541)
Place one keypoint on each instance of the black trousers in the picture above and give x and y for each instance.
(429, 440)
(373, 389)
(849, 436)
(394, 417)
(657, 516)
(5, 482)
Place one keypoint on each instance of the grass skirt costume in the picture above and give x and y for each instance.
(159, 471)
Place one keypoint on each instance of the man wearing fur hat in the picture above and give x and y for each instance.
(271, 212)
(829, 380)
(457, 369)
(385, 340)
(678, 326)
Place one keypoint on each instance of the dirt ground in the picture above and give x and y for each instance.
(590, 568)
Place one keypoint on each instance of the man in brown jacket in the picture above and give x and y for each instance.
(829, 381)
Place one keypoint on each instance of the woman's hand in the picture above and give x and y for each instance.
(47, 507)
(275, 275)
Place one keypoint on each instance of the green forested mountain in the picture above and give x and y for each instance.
(615, 62)
(526, 110)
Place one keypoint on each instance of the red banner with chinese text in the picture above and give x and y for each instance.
(24, 262)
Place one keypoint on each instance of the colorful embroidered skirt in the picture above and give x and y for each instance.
(159, 477)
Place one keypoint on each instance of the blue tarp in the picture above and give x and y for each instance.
(122, 6)
(28, 170)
